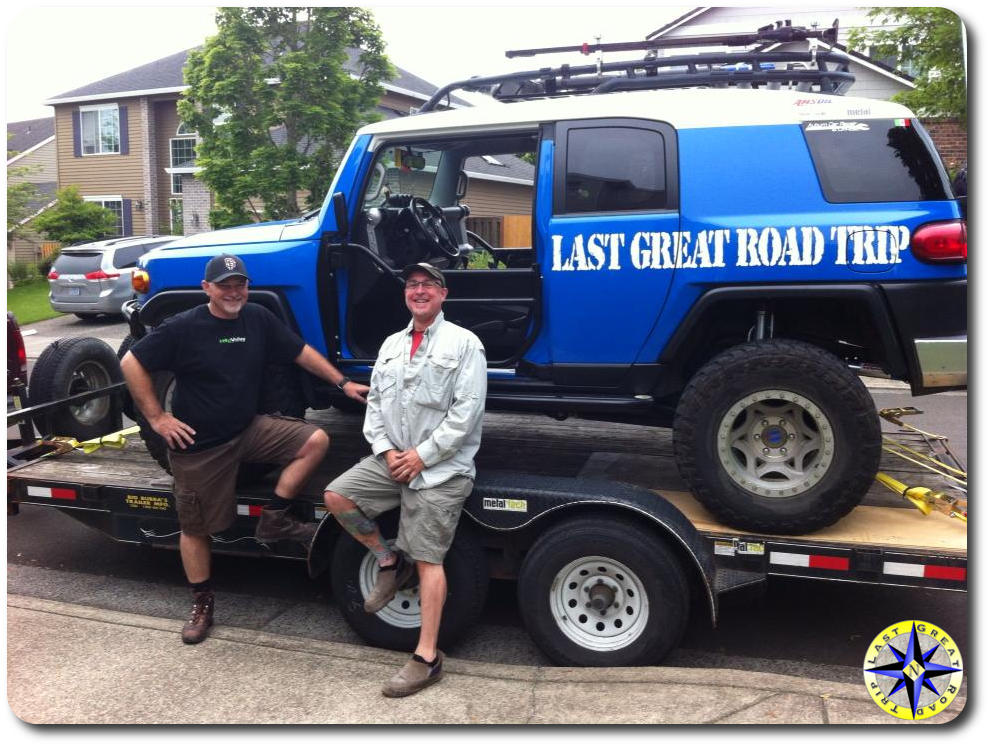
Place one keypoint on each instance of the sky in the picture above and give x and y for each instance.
(54, 49)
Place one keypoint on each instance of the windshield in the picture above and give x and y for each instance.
(407, 170)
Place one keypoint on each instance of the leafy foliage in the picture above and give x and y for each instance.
(274, 105)
(72, 219)
(931, 40)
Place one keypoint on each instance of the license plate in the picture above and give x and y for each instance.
(74, 290)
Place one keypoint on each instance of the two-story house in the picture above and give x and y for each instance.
(121, 141)
(31, 158)
(876, 78)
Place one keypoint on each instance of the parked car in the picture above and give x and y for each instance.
(92, 279)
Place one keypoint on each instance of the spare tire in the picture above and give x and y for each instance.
(71, 366)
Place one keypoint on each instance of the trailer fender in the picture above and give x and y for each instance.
(511, 502)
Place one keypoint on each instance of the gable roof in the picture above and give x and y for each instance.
(165, 76)
(28, 135)
(875, 64)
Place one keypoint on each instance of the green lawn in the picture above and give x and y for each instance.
(29, 302)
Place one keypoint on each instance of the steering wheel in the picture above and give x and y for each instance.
(429, 219)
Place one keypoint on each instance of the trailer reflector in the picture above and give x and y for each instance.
(65, 494)
(800, 560)
(245, 509)
(918, 570)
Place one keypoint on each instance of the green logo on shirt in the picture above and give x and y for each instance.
(227, 340)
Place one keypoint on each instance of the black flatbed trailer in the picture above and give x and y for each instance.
(556, 481)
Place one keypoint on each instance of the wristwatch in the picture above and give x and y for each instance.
(342, 383)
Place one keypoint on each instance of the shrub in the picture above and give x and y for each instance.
(21, 272)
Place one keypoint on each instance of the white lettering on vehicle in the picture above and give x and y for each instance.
(794, 246)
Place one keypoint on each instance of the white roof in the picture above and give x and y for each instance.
(682, 108)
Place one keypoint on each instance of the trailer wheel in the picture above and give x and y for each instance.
(72, 366)
(599, 592)
(396, 626)
(777, 436)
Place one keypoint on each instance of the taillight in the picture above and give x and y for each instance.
(53, 275)
(100, 275)
(942, 242)
(140, 281)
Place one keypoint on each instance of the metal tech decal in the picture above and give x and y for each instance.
(505, 504)
(913, 670)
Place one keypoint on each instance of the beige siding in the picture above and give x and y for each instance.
(104, 175)
(166, 123)
(488, 198)
(42, 165)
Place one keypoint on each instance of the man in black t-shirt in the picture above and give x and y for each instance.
(218, 353)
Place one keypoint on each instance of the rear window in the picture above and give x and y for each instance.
(128, 256)
(877, 160)
(77, 263)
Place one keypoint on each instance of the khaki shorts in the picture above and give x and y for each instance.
(204, 480)
(428, 517)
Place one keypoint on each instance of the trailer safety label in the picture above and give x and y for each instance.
(829, 562)
(733, 547)
(65, 494)
(918, 570)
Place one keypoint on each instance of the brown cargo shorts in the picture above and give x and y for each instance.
(428, 517)
(204, 480)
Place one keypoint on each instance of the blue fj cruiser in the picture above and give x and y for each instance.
(719, 243)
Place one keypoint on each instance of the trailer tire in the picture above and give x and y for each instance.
(71, 366)
(640, 585)
(777, 436)
(396, 626)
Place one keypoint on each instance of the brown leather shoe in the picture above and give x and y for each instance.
(280, 524)
(415, 675)
(389, 581)
(201, 618)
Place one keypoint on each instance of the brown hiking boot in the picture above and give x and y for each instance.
(280, 524)
(415, 675)
(200, 619)
(389, 581)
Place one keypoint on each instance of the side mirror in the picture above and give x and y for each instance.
(462, 185)
(340, 213)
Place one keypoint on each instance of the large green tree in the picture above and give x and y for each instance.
(931, 40)
(275, 106)
(71, 219)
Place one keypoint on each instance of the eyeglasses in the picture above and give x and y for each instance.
(416, 284)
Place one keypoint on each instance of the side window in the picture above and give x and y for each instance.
(128, 256)
(610, 169)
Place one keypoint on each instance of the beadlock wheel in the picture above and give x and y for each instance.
(88, 376)
(775, 443)
(599, 603)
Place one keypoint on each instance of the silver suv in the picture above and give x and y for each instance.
(92, 279)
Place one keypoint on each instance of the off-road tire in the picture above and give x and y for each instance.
(832, 399)
(71, 366)
(127, 402)
(466, 568)
(651, 591)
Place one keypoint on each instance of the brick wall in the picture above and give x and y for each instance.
(951, 140)
(196, 204)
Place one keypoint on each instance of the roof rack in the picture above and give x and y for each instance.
(749, 69)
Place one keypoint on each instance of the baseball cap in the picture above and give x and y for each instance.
(426, 267)
(224, 266)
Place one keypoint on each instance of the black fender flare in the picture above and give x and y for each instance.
(171, 302)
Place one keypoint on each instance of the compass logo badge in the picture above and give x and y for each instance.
(913, 670)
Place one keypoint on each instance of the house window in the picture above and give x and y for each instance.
(182, 155)
(114, 205)
(175, 216)
(100, 130)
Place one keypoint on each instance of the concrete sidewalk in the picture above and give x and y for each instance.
(71, 664)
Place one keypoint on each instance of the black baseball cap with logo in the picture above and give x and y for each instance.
(426, 267)
(225, 266)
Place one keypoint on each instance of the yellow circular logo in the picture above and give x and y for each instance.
(913, 670)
